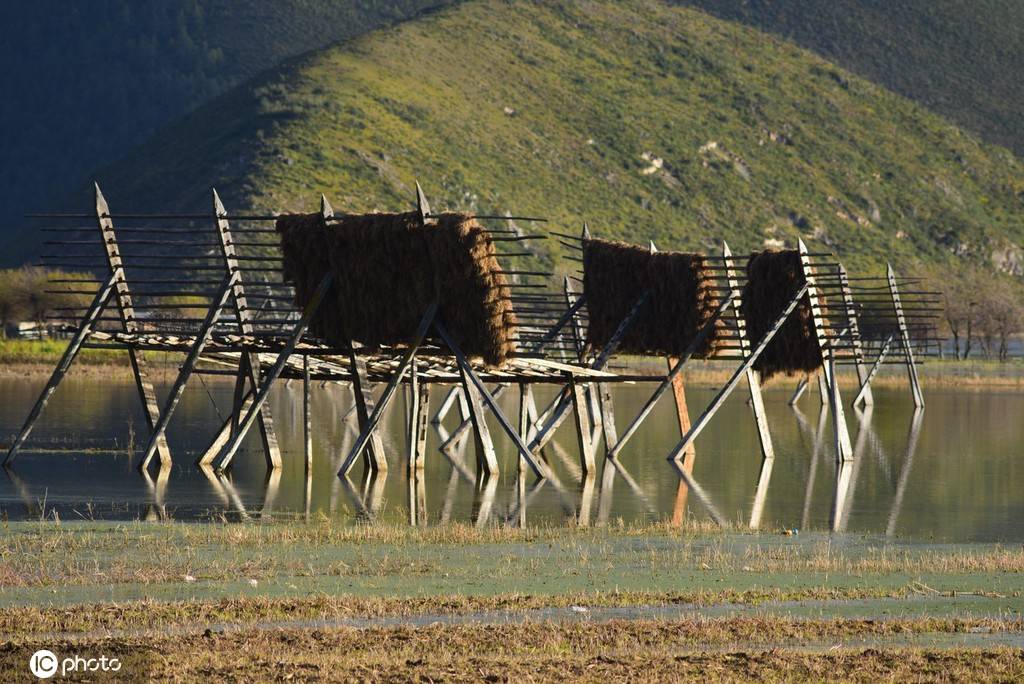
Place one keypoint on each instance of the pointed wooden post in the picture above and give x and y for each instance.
(753, 377)
(249, 361)
(127, 312)
(908, 353)
(825, 344)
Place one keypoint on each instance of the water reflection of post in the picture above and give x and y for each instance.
(818, 441)
(158, 490)
(455, 452)
(373, 490)
(908, 460)
(346, 444)
(272, 485)
(483, 501)
(224, 490)
(864, 432)
(699, 492)
(31, 505)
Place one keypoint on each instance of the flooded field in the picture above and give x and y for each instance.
(952, 473)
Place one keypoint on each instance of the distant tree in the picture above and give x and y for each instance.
(33, 295)
(11, 305)
(1000, 316)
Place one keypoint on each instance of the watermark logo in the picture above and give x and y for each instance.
(43, 664)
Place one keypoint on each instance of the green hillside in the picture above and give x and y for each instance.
(962, 58)
(644, 118)
(85, 82)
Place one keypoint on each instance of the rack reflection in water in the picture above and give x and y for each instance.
(950, 472)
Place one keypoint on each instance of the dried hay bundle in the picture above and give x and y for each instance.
(389, 268)
(682, 298)
(773, 277)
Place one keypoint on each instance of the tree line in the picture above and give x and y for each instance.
(29, 293)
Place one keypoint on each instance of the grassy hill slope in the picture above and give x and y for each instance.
(86, 82)
(646, 119)
(963, 59)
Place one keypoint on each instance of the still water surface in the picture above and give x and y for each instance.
(952, 472)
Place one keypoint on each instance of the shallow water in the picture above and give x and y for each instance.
(951, 473)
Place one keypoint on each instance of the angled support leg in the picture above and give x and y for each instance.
(858, 347)
(389, 391)
(723, 394)
(674, 372)
(375, 455)
(486, 456)
(566, 318)
(474, 380)
(275, 372)
(92, 314)
(801, 387)
(202, 338)
(866, 384)
(553, 419)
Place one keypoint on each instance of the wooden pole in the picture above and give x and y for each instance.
(307, 417)
(579, 405)
(908, 353)
(126, 309)
(250, 360)
(753, 377)
(825, 344)
(363, 396)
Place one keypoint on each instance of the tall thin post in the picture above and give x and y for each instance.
(249, 360)
(825, 344)
(753, 377)
(908, 354)
(126, 309)
(307, 417)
